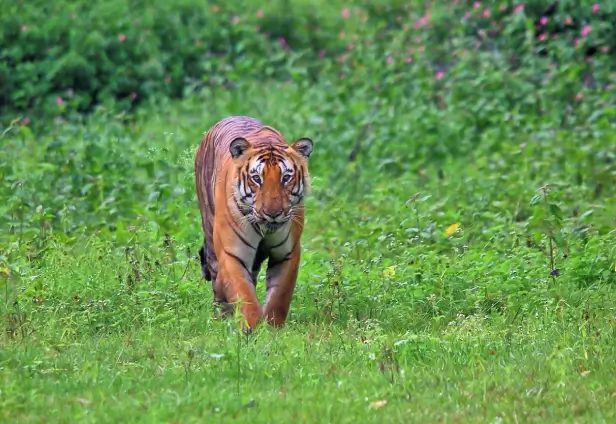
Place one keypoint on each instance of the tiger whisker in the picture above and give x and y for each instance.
(296, 220)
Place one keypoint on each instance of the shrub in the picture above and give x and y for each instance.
(64, 56)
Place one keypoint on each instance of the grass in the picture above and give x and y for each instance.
(450, 273)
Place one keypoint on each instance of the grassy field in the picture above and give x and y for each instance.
(459, 265)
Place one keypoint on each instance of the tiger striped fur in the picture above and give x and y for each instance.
(250, 187)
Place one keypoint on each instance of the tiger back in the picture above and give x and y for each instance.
(251, 186)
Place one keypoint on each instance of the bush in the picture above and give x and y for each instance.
(64, 56)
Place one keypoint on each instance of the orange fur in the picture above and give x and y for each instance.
(251, 186)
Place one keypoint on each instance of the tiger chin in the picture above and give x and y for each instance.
(251, 186)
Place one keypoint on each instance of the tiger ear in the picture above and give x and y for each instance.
(238, 147)
(303, 146)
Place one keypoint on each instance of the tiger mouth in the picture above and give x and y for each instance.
(273, 226)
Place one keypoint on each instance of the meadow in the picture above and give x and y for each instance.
(459, 254)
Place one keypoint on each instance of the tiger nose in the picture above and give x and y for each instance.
(273, 216)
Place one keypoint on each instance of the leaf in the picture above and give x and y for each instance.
(585, 214)
(378, 404)
(83, 401)
(556, 211)
(535, 199)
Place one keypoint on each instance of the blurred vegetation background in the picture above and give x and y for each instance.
(56, 58)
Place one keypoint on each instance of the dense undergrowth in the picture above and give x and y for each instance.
(459, 258)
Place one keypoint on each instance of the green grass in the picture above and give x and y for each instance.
(105, 317)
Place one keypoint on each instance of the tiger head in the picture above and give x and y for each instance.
(271, 179)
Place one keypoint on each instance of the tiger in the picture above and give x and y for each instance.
(251, 186)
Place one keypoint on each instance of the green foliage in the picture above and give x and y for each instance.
(459, 259)
(71, 56)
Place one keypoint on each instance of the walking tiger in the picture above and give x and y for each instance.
(251, 187)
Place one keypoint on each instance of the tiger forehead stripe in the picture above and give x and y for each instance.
(286, 165)
(271, 155)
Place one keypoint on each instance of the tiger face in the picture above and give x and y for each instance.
(270, 180)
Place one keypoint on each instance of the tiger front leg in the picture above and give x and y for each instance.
(281, 278)
(233, 286)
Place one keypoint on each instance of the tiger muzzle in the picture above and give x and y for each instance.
(276, 216)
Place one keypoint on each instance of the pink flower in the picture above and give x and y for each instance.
(122, 38)
(133, 96)
(486, 13)
(476, 5)
(409, 60)
(389, 60)
(541, 37)
(423, 20)
(59, 101)
(25, 121)
(586, 30)
(543, 20)
(595, 7)
(345, 13)
(236, 20)
(283, 43)
(350, 46)
(467, 15)
(341, 76)
(578, 97)
(24, 28)
(259, 13)
(439, 75)
(519, 8)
